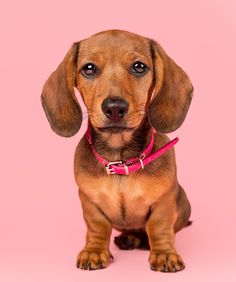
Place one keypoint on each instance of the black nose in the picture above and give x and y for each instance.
(114, 108)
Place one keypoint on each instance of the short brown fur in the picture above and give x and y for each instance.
(149, 203)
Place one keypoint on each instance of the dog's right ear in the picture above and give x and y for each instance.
(60, 105)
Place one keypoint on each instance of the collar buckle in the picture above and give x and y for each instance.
(109, 169)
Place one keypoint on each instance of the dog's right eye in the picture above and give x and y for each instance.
(89, 70)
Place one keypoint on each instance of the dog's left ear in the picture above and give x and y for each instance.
(172, 92)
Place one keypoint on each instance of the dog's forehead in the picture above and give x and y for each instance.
(115, 40)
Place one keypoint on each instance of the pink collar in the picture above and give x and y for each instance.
(133, 164)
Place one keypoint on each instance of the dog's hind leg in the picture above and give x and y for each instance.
(132, 239)
(184, 210)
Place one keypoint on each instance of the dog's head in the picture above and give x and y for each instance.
(122, 78)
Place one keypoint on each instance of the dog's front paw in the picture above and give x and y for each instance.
(166, 262)
(93, 259)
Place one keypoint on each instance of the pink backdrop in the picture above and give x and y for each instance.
(41, 222)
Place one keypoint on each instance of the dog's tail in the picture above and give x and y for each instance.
(190, 222)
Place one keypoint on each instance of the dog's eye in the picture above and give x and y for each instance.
(139, 68)
(89, 70)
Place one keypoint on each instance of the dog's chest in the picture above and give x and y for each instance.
(124, 200)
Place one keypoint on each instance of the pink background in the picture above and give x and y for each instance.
(41, 226)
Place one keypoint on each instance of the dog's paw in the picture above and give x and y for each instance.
(166, 262)
(93, 259)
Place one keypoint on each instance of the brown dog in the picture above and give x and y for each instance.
(129, 85)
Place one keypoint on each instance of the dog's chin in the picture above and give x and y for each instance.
(116, 136)
(115, 129)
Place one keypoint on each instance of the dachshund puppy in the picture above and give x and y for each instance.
(125, 164)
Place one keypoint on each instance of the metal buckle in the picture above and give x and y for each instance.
(126, 169)
(109, 168)
(141, 162)
(142, 156)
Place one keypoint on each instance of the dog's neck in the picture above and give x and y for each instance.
(136, 144)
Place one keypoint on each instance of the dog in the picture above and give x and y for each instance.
(125, 164)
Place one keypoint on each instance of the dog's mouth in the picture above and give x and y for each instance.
(115, 129)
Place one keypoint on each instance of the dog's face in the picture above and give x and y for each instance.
(115, 73)
(121, 70)
(122, 78)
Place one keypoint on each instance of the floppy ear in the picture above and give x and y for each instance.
(172, 92)
(58, 100)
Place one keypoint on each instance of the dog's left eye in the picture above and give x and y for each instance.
(139, 68)
(89, 70)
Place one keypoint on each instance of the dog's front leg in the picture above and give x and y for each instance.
(160, 229)
(95, 254)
